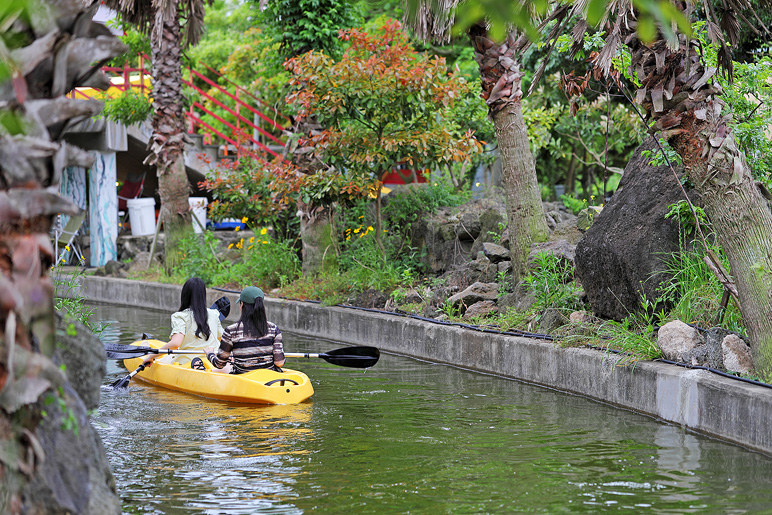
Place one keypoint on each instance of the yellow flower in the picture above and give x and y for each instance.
(245, 219)
(357, 229)
(237, 228)
(240, 244)
(361, 217)
(370, 228)
(252, 239)
(265, 243)
(348, 238)
(230, 246)
(67, 248)
(263, 230)
(250, 247)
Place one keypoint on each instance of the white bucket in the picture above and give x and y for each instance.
(141, 216)
(198, 208)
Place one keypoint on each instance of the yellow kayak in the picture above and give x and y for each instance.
(256, 387)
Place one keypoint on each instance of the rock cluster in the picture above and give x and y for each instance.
(715, 348)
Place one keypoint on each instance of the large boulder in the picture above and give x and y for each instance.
(83, 357)
(622, 256)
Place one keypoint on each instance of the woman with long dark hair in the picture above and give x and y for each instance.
(194, 326)
(251, 343)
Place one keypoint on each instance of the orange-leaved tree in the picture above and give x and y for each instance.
(380, 105)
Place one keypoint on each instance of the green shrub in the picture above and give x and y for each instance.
(696, 292)
(262, 261)
(552, 283)
(128, 108)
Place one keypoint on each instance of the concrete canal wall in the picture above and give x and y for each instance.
(707, 403)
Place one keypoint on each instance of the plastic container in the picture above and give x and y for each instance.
(229, 224)
(141, 216)
(198, 208)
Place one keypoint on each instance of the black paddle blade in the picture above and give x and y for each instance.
(353, 357)
(121, 383)
(223, 305)
(124, 381)
(118, 351)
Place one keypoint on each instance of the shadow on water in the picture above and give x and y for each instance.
(407, 437)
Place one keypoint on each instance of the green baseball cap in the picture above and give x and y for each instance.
(250, 294)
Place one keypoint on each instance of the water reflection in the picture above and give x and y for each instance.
(409, 437)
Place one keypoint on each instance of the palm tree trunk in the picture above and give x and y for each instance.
(168, 135)
(688, 112)
(501, 83)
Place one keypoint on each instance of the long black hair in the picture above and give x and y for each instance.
(253, 319)
(193, 296)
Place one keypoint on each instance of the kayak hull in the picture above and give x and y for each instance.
(256, 387)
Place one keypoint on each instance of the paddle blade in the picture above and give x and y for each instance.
(353, 357)
(223, 305)
(118, 351)
(121, 383)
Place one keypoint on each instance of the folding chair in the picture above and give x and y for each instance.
(65, 237)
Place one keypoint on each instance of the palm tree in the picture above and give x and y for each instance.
(501, 77)
(679, 96)
(46, 51)
(162, 20)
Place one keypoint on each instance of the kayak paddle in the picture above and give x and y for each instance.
(117, 351)
(352, 357)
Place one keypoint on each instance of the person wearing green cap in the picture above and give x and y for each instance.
(251, 343)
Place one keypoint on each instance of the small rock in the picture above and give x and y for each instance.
(737, 355)
(112, 267)
(483, 308)
(580, 317)
(550, 320)
(475, 293)
(373, 299)
(560, 248)
(496, 253)
(676, 339)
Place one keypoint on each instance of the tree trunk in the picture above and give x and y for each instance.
(168, 144)
(689, 114)
(318, 238)
(501, 83)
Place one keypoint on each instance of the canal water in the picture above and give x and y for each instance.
(407, 437)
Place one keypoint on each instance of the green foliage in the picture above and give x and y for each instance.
(243, 190)
(138, 43)
(259, 260)
(633, 337)
(405, 207)
(128, 108)
(552, 282)
(383, 104)
(70, 301)
(361, 259)
(749, 99)
(573, 204)
(300, 26)
(662, 157)
(696, 292)
(682, 213)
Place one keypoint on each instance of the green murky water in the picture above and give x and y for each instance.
(407, 437)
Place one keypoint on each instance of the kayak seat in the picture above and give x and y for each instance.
(281, 382)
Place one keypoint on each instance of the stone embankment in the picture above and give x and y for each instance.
(698, 400)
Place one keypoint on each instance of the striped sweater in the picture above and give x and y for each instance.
(248, 352)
